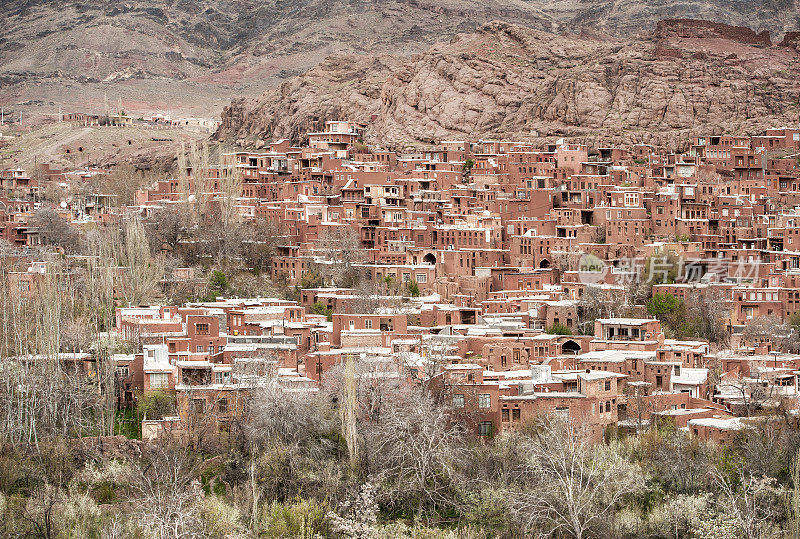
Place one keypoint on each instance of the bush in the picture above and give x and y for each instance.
(559, 329)
(304, 518)
(413, 289)
(219, 519)
(320, 308)
(662, 304)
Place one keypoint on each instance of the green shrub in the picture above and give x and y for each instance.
(303, 518)
(559, 329)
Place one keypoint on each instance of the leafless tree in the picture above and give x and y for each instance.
(597, 302)
(753, 502)
(42, 394)
(576, 487)
(283, 417)
(709, 312)
(781, 335)
(167, 228)
(752, 392)
(413, 450)
(165, 490)
(53, 230)
(340, 248)
(349, 411)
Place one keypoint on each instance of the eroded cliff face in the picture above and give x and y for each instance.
(341, 87)
(511, 81)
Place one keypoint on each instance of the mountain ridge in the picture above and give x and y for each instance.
(155, 53)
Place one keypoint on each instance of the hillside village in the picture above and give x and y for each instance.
(511, 279)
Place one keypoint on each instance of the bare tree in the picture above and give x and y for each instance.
(709, 312)
(287, 418)
(53, 230)
(349, 411)
(781, 335)
(413, 450)
(340, 248)
(753, 502)
(751, 393)
(43, 394)
(576, 487)
(165, 490)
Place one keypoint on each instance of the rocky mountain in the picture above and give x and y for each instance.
(509, 80)
(195, 54)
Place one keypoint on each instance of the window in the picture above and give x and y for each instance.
(484, 400)
(199, 405)
(458, 401)
(222, 377)
(159, 380)
(485, 428)
(515, 414)
(368, 323)
(122, 371)
(422, 278)
(199, 348)
(608, 385)
(505, 414)
(201, 329)
(222, 405)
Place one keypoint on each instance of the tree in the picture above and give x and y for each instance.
(340, 249)
(751, 393)
(466, 169)
(662, 304)
(289, 419)
(123, 182)
(576, 487)
(167, 228)
(597, 302)
(413, 451)
(413, 289)
(559, 329)
(259, 243)
(349, 412)
(55, 231)
(781, 335)
(663, 267)
(163, 482)
(320, 308)
(709, 313)
(754, 503)
(599, 234)
(217, 284)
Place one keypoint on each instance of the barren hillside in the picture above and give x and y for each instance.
(193, 55)
(509, 80)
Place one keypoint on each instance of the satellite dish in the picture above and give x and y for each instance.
(64, 204)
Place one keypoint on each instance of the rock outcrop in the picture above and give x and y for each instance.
(512, 81)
